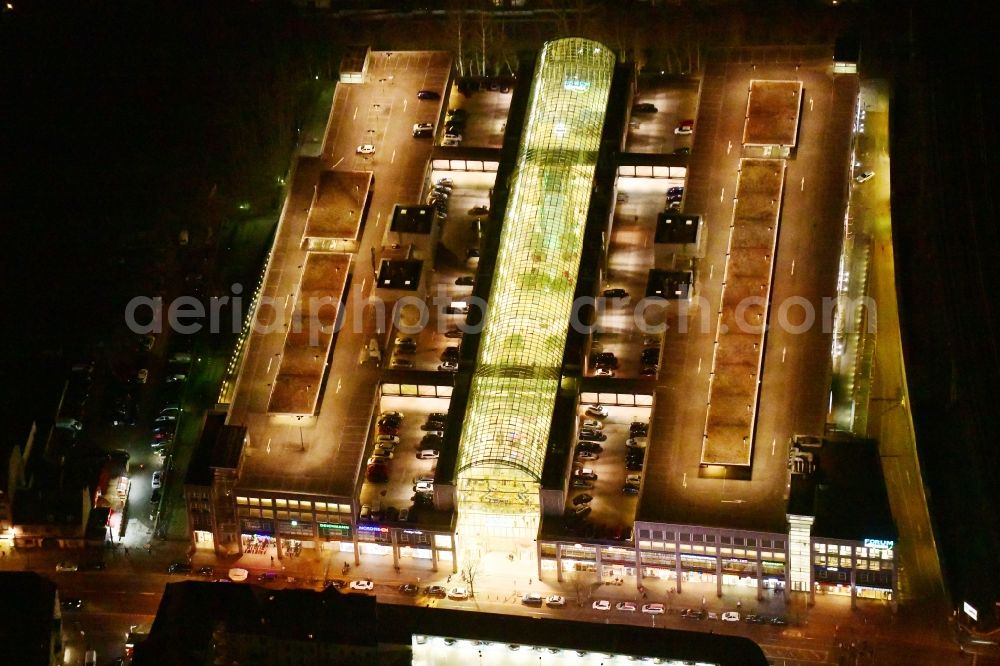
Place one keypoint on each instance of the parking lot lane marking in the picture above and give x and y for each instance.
(393, 158)
(773, 442)
(355, 114)
(784, 350)
(699, 366)
(684, 481)
(802, 188)
(340, 381)
(711, 271)
(793, 267)
(729, 147)
(269, 361)
(722, 195)
(810, 103)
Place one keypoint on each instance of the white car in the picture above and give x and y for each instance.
(383, 452)
(731, 616)
(428, 454)
(458, 593)
(601, 605)
(604, 372)
(450, 141)
(864, 176)
(156, 479)
(424, 486)
(456, 137)
(142, 375)
(366, 149)
(362, 585)
(599, 411)
(66, 565)
(626, 606)
(653, 609)
(593, 424)
(386, 439)
(555, 601)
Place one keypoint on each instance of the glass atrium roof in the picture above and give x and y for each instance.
(506, 427)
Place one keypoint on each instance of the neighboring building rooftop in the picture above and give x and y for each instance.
(338, 204)
(195, 618)
(772, 113)
(677, 228)
(671, 285)
(310, 334)
(739, 351)
(412, 219)
(845, 492)
(400, 274)
(27, 617)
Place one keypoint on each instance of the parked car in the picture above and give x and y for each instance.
(604, 359)
(585, 473)
(179, 568)
(67, 566)
(587, 455)
(627, 606)
(465, 281)
(423, 129)
(363, 585)
(157, 476)
(428, 454)
(532, 599)
(684, 127)
(592, 447)
(730, 616)
(582, 498)
(644, 107)
(653, 609)
(409, 588)
(592, 435)
(458, 593)
(581, 483)
(864, 176)
(448, 366)
(435, 591)
(618, 295)
(593, 424)
(366, 149)
(601, 605)
(555, 601)
(428, 94)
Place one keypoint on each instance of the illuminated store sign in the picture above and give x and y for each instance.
(372, 528)
(879, 543)
(334, 526)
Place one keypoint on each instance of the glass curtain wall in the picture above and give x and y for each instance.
(506, 427)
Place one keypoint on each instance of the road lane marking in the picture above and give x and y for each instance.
(722, 195)
(784, 350)
(393, 158)
(793, 267)
(802, 187)
(699, 366)
(711, 271)
(684, 482)
(729, 148)
(773, 442)
(340, 381)
(810, 103)
(355, 114)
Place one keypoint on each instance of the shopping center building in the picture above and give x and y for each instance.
(728, 493)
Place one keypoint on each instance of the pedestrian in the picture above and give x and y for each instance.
(272, 559)
(449, 578)
(529, 580)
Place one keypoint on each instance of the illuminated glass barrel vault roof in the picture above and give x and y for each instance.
(506, 427)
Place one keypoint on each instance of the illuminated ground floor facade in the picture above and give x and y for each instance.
(763, 561)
